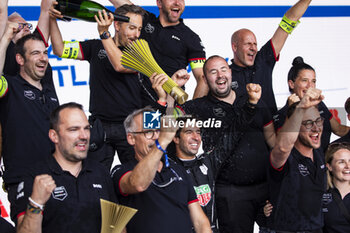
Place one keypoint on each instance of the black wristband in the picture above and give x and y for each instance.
(105, 35)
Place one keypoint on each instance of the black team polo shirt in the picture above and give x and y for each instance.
(74, 205)
(25, 120)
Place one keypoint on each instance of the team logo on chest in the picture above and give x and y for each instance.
(203, 194)
(60, 193)
(29, 94)
(327, 198)
(219, 112)
(102, 54)
(303, 170)
(234, 85)
(149, 28)
(204, 169)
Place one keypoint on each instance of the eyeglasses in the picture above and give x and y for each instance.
(23, 25)
(309, 123)
(167, 183)
(149, 134)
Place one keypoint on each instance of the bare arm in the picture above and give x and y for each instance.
(56, 36)
(42, 189)
(270, 135)
(200, 221)
(113, 52)
(202, 88)
(142, 175)
(294, 13)
(3, 16)
(289, 132)
(10, 30)
(118, 3)
(44, 19)
(338, 129)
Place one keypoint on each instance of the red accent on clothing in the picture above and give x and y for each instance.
(193, 201)
(274, 52)
(124, 194)
(270, 122)
(42, 37)
(277, 169)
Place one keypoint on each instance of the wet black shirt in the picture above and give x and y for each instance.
(296, 191)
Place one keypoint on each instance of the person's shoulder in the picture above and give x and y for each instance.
(196, 101)
(93, 43)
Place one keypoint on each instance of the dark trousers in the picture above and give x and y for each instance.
(238, 207)
(115, 141)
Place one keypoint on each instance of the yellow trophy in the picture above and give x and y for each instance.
(115, 216)
(137, 56)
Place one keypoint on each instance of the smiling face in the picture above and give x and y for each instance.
(244, 47)
(142, 145)
(170, 11)
(35, 60)
(310, 138)
(128, 32)
(304, 80)
(72, 136)
(340, 165)
(218, 76)
(188, 142)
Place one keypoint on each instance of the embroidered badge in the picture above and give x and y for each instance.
(203, 194)
(29, 94)
(149, 28)
(102, 54)
(303, 170)
(60, 193)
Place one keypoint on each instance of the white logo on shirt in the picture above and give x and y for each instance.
(303, 170)
(20, 187)
(97, 186)
(204, 169)
(175, 37)
(29, 94)
(60, 193)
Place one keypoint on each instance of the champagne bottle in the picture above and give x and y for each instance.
(84, 10)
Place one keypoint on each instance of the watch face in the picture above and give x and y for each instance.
(105, 35)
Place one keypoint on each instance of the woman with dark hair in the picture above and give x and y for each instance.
(337, 199)
(301, 77)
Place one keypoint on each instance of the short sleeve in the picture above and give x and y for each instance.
(22, 192)
(117, 174)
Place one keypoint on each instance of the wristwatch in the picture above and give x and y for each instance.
(105, 35)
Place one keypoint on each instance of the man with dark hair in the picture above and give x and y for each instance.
(114, 91)
(62, 192)
(25, 107)
(160, 189)
(42, 30)
(202, 168)
(11, 67)
(297, 174)
(346, 138)
(252, 66)
(241, 185)
(173, 44)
